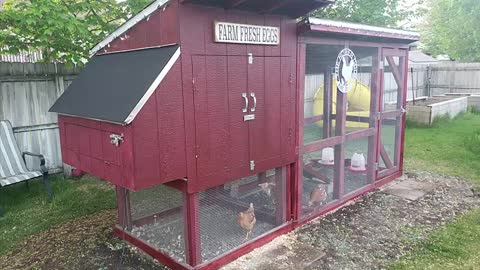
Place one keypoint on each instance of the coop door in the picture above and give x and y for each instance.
(271, 133)
(220, 97)
(392, 111)
(244, 115)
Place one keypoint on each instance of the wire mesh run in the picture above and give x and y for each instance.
(317, 181)
(157, 219)
(356, 165)
(237, 212)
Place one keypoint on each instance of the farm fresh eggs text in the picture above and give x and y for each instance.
(247, 34)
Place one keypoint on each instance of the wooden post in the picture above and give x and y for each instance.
(192, 228)
(339, 168)
(280, 195)
(374, 108)
(327, 103)
(399, 122)
(123, 207)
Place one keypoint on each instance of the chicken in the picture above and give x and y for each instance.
(267, 188)
(247, 220)
(318, 195)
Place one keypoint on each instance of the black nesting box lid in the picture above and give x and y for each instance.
(113, 87)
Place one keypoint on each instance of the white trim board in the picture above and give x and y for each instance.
(364, 27)
(152, 87)
(129, 24)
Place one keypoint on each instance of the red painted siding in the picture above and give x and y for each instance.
(86, 146)
(160, 28)
(159, 135)
(219, 141)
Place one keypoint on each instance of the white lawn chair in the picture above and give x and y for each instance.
(13, 168)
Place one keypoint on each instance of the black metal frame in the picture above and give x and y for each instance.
(43, 169)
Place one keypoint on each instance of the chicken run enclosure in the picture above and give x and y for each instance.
(224, 124)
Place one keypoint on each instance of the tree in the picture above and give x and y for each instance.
(373, 12)
(64, 30)
(452, 27)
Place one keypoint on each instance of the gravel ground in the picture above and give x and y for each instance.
(369, 233)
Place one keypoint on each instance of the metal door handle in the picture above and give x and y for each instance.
(244, 95)
(254, 102)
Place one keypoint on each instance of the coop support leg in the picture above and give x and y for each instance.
(297, 187)
(124, 210)
(280, 194)
(192, 228)
(339, 168)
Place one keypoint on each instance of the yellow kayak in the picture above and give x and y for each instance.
(358, 104)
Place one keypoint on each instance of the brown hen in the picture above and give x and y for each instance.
(247, 220)
(318, 195)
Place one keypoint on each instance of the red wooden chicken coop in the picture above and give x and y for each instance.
(225, 123)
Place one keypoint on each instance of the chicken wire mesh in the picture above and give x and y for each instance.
(232, 214)
(318, 175)
(157, 219)
(317, 181)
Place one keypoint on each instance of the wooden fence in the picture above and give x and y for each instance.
(27, 90)
(443, 78)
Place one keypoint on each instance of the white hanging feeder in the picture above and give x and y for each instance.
(358, 163)
(327, 157)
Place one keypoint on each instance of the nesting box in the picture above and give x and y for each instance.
(223, 124)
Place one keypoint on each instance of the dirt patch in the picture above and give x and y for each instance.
(368, 234)
(375, 230)
(85, 243)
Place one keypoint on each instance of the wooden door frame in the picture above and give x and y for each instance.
(373, 132)
(400, 75)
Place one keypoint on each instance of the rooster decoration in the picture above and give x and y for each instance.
(345, 69)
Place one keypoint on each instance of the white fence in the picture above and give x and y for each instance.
(27, 91)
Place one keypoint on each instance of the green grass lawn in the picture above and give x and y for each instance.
(456, 246)
(450, 147)
(27, 211)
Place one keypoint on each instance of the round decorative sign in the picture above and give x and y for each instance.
(346, 70)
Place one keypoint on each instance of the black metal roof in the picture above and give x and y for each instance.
(112, 87)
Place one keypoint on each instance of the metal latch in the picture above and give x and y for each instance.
(115, 139)
(250, 58)
(252, 165)
(248, 117)
(379, 115)
(403, 110)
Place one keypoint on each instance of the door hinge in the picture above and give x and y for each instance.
(379, 116)
(252, 165)
(250, 58)
(193, 85)
(376, 166)
(290, 80)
